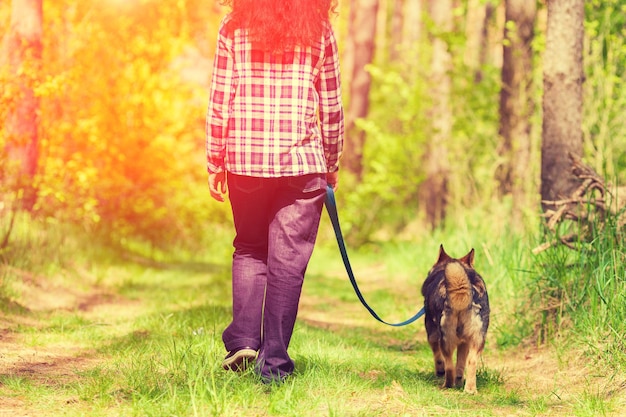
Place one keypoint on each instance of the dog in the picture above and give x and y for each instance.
(456, 318)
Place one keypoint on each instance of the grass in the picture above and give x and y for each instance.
(142, 337)
(585, 290)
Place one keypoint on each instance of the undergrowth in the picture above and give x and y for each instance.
(580, 292)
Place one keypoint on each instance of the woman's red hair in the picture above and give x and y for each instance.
(280, 25)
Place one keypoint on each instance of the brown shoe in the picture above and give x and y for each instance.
(239, 359)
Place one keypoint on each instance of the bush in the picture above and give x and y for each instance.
(583, 291)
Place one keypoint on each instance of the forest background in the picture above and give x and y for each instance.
(435, 148)
(123, 86)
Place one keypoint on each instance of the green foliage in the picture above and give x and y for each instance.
(605, 87)
(399, 127)
(584, 290)
(122, 120)
(392, 156)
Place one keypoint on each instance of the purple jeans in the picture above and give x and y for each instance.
(276, 223)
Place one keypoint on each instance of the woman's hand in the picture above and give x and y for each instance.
(332, 178)
(217, 185)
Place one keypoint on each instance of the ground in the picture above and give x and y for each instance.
(536, 372)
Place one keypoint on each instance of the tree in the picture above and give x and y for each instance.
(479, 14)
(434, 190)
(395, 49)
(407, 26)
(563, 78)
(21, 56)
(362, 33)
(516, 104)
(412, 21)
(119, 127)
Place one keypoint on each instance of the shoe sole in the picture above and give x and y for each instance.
(240, 360)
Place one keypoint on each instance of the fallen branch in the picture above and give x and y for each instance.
(582, 207)
(566, 240)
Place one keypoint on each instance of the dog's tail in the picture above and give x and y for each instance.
(458, 286)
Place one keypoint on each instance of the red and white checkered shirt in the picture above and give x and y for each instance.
(273, 115)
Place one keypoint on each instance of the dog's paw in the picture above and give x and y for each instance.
(470, 389)
(440, 369)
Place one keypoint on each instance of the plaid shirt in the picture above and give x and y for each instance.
(273, 115)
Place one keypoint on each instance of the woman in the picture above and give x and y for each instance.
(274, 136)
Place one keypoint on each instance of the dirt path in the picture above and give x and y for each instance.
(51, 364)
(534, 374)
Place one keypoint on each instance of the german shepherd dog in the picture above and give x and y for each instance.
(457, 317)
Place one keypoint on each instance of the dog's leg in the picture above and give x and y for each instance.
(434, 337)
(472, 362)
(448, 351)
(440, 368)
(449, 343)
(461, 360)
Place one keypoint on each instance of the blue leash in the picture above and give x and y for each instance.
(331, 207)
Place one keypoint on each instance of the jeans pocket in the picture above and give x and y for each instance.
(245, 184)
(308, 183)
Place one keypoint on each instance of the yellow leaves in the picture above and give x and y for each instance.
(49, 86)
(10, 92)
(121, 130)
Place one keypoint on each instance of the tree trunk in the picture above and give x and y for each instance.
(412, 25)
(563, 77)
(434, 190)
(396, 30)
(479, 40)
(474, 30)
(362, 36)
(21, 52)
(516, 105)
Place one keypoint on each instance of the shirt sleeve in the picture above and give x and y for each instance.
(331, 107)
(221, 94)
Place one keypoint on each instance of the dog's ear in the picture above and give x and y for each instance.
(443, 256)
(469, 258)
